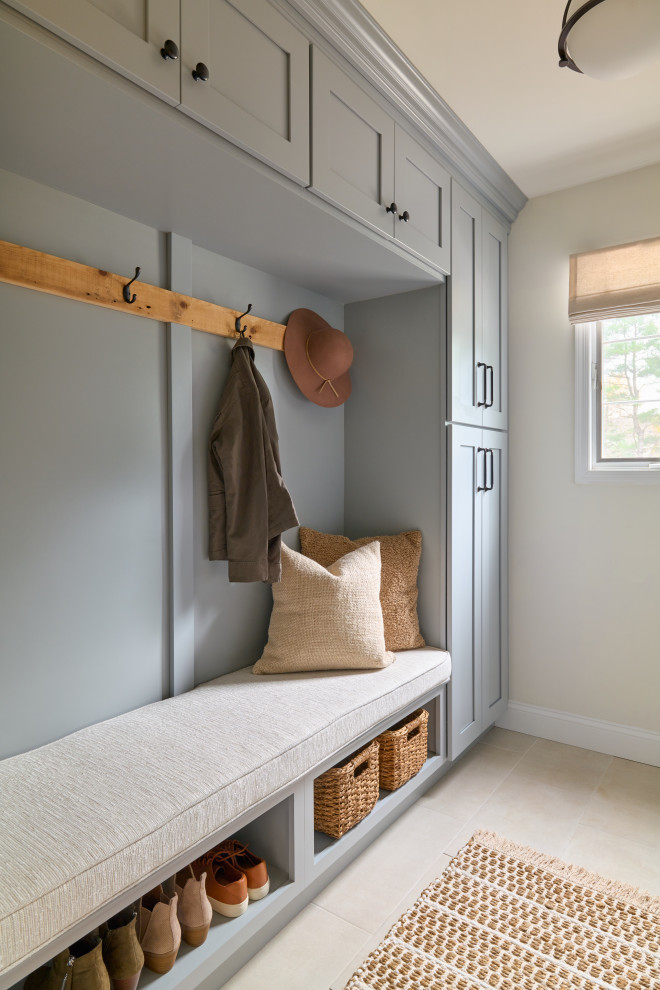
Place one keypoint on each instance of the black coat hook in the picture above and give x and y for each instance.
(241, 331)
(127, 288)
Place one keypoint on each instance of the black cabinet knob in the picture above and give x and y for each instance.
(405, 216)
(170, 50)
(201, 73)
(392, 208)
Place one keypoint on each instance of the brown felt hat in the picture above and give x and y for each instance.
(319, 357)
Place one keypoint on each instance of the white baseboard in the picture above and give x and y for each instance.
(624, 741)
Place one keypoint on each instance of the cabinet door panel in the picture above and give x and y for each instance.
(127, 35)
(467, 382)
(257, 94)
(494, 332)
(352, 146)
(466, 473)
(422, 189)
(494, 580)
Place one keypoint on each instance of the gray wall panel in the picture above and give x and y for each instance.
(395, 434)
(81, 516)
(231, 620)
(82, 489)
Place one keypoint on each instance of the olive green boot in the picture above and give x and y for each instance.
(79, 968)
(122, 953)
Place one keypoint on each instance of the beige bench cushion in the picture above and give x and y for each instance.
(85, 818)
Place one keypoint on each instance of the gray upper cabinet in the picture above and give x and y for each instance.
(128, 36)
(477, 301)
(251, 65)
(373, 169)
(494, 336)
(352, 146)
(245, 74)
(421, 189)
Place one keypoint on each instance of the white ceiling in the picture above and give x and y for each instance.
(495, 63)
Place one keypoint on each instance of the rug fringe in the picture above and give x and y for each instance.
(567, 871)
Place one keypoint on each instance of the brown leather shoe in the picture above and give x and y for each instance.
(254, 868)
(226, 885)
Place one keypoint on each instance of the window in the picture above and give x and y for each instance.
(615, 306)
(618, 397)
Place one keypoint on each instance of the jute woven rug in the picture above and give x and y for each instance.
(504, 917)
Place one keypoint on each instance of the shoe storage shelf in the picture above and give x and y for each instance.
(270, 835)
(301, 861)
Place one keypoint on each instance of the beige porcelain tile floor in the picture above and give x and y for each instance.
(594, 810)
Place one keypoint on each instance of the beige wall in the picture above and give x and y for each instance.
(584, 559)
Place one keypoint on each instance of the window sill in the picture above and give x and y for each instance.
(605, 474)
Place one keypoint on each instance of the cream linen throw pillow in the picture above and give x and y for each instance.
(326, 618)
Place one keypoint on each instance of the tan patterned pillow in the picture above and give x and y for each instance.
(326, 618)
(398, 587)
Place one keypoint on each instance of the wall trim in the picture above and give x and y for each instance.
(357, 36)
(180, 478)
(624, 741)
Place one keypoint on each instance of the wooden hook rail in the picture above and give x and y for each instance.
(48, 273)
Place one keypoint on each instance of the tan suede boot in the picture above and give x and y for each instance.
(122, 953)
(194, 909)
(160, 931)
(78, 968)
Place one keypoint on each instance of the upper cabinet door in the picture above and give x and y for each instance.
(422, 198)
(128, 36)
(494, 330)
(468, 380)
(251, 81)
(352, 146)
(477, 301)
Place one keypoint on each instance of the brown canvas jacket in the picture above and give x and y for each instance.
(249, 506)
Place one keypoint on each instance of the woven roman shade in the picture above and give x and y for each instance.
(615, 281)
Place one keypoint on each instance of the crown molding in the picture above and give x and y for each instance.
(355, 35)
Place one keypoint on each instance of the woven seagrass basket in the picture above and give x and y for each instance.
(345, 794)
(402, 750)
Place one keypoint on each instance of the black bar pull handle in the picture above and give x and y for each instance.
(491, 371)
(484, 487)
(480, 364)
(490, 487)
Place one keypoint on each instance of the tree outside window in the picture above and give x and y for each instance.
(629, 388)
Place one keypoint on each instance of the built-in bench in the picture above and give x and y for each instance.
(95, 819)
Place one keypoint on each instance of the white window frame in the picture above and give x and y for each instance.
(588, 468)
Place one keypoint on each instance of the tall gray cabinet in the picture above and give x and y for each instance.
(426, 447)
(477, 606)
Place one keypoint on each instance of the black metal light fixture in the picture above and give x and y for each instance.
(610, 39)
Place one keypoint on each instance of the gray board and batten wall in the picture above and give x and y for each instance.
(105, 419)
(394, 451)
